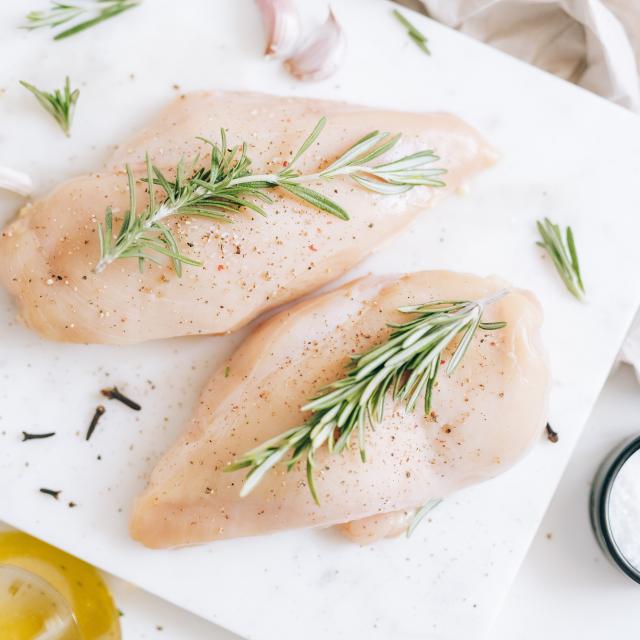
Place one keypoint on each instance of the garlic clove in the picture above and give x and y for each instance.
(321, 56)
(282, 24)
(16, 181)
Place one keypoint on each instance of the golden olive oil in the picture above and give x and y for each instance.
(46, 594)
(31, 608)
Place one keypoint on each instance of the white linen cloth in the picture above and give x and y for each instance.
(593, 43)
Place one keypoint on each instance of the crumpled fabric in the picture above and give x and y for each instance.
(630, 351)
(592, 43)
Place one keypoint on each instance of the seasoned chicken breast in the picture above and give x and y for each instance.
(485, 416)
(47, 255)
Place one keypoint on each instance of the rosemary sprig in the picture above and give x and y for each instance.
(563, 254)
(406, 365)
(417, 36)
(60, 105)
(227, 185)
(60, 13)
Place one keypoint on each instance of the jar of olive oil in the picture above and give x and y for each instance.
(46, 594)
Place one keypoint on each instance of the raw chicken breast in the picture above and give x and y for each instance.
(48, 253)
(485, 416)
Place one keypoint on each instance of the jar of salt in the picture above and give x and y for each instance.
(615, 507)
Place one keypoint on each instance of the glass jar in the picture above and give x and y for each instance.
(615, 507)
(46, 593)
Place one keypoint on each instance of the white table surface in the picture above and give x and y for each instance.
(565, 589)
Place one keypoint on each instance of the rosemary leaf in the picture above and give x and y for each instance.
(313, 136)
(59, 104)
(420, 39)
(563, 254)
(316, 199)
(406, 365)
(421, 513)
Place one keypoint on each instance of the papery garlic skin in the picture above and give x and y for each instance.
(322, 55)
(282, 25)
(16, 181)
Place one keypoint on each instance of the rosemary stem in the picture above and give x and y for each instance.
(272, 178)
(164, 211)
(320, 176)
(105, 261)
(276, 179)
(493, 297)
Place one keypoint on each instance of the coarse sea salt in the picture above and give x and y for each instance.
(624, 510)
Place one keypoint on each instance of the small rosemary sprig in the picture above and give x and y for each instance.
(61, 105)
(227, 185)
(418, 37)
(406, 365)
(564, 255)
(61, 13)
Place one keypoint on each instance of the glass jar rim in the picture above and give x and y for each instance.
(63, 608)
(600, 501)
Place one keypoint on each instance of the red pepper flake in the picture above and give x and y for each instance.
(220, 267)
(285, 163)
(442, 362)
(313, 247)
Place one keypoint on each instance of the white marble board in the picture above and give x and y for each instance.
(565, 153)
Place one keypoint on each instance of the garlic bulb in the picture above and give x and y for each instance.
(282, 24)
(15, 181)
(321, 56)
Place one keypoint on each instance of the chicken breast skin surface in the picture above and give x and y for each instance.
(485, 416)
(48, 253)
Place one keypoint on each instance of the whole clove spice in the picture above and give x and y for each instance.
(115, 394)
(94, 421)
(36, 436)
(51, 492)
(552, 436)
